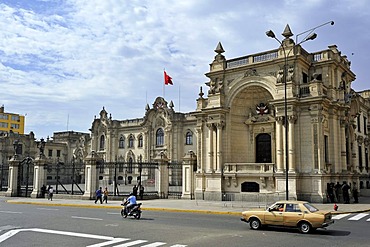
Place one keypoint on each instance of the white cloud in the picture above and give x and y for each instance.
(73, 57)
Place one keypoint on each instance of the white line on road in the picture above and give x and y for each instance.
(339, 216)
(132, 243)
(156, 244)
(85, 218)
(11, 212)
(358, 216)
(113, 241)
(50, 209)
(113, 213)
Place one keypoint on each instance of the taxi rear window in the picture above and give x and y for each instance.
(310, 207)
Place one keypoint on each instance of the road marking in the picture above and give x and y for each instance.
(358, 216)
(85, 218)
(109, 240)
(368, 219)
(132, 243)
(154, 244)
(50, 209)
(11, 212)
(113, 213)
(339, 216)
(113, 241)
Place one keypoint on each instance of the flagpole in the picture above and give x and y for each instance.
(164, 96)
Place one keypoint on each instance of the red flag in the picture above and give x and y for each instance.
(167, 79)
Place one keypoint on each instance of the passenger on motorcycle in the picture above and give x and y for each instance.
(131, 203)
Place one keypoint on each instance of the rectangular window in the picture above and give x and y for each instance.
(58, 153)
(326, 143)
(3, 125)
(304, 77)
(358, 124)
(4, 116)
(360, 157)
(365, 127)
(15, 118)
(50, 152)
(14, 126)
(366, 159)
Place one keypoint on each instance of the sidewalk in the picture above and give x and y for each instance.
(182, 205)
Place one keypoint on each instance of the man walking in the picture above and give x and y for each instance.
(98, 194)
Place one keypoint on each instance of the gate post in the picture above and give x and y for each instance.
(90, 176)
(161, 175)
(39, 176)
(188, 178)
(13, 177)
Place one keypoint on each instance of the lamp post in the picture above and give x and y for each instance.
(287, 34)
(140, 169)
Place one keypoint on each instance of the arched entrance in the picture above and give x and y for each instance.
(263, 148)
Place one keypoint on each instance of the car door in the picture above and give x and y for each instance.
(292, 214)
(275, 216)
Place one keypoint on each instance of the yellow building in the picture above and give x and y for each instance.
(11, 122)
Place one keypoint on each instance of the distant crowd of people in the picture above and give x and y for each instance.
(102, 196)
(341, 192)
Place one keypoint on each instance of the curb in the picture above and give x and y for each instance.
(199, 211)
(119, 207)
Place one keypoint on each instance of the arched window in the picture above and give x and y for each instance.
(129, 166)
(102, 142)
(140, 141)
(189, 138)
(131, 141)
(121, 143)
(159, 137)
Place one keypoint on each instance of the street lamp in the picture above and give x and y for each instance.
(287, 34)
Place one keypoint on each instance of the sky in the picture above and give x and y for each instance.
(62, 61)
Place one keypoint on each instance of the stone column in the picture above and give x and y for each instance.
(279, 144)
(210, 148)
(292, 120)
(91, 178)
(39, 176)
(343, 155)
(161, 175)
(220, 127)
(188, 178)
(13, 177)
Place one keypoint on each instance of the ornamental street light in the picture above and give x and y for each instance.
(287, 34)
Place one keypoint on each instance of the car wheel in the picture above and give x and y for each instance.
(305, 227)
(255, 224)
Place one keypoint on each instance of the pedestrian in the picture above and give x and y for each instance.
(105, 195)
(51, 192)
(47, 191)
(134, 191)
(345, 189)
(337, 189)
(43, 191)
(98, 196)
(355, 192)
(330, 189)
(141, 192)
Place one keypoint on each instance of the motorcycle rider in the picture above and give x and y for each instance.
(131, 203)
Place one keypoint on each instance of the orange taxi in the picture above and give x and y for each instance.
(300, 214)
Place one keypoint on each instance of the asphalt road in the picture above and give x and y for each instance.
(32, 225)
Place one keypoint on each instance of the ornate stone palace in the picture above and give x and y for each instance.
(253, 125)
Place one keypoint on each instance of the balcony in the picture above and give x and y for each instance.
(249, 169)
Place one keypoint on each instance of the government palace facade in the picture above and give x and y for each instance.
(255, 130)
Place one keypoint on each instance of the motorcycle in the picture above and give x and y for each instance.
(135, 211)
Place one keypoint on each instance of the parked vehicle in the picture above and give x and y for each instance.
(134, 212)
(300, 214)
